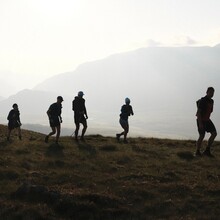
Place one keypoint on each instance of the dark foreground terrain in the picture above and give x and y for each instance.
(103, 179)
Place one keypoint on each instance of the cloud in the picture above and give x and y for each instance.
(153, 43)
(184, 41)
(190, 41)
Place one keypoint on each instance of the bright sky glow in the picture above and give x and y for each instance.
(41, 38)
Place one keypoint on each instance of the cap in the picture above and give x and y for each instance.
(14, 105)
(60, 98)
(80, 93)
(127, 100)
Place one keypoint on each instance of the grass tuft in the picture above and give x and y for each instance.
(185, 155)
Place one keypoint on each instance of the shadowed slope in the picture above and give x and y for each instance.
(104, 179)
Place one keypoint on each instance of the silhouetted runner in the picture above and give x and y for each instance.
(126, 111)
(55, 119)
(80, 114)
(204, 123)
(14, 121)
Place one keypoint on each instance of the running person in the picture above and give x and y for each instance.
(55, 119)
(204, 123)
(14, 121)
(126, 111)
(80, 114)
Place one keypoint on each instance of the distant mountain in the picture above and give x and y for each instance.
(163, 84)
(148, 73)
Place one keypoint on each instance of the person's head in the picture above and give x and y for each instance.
(127, 101)
(15, 106)
(59, 99)
(80, 94)
(210, 92)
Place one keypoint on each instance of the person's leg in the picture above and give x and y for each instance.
(118, 135)
(125, 126)
(201, 131)
(84, 129)
(50, 134)
(210, 128)
(58, 133)
(126, 129)
(77, 130)
(211, 139)
(210, 142)
(199, 144)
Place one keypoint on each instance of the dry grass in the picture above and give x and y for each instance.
(103, 179)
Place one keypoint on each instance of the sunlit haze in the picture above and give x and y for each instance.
(42, 38)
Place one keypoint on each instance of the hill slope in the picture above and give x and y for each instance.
(104, 179)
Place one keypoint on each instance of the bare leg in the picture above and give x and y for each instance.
(76, 131)
(126, 129)
(122, 133)
(58, 133)
(84, 129)
(125, 132)
(207, 151)
(199, 143)
(119, 135)
(211, 140)
(50, 134)
(125, 126)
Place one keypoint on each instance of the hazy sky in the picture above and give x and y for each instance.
(41, 38)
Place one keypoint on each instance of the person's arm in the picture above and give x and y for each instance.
(84, 109)
(123, 109)
(49, 112)
(73, 105)
(19, 120)
(10, 115)
(132, 111)
(200, 109)
(86, 113)
(212, 105)
(199, 118)
(61, 120)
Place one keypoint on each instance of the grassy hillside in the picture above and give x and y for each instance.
(102, 179)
